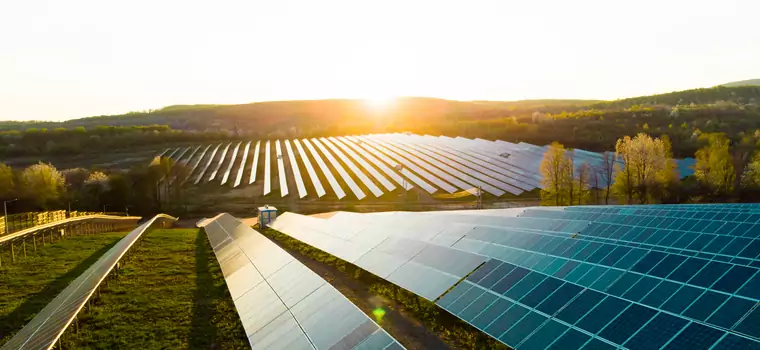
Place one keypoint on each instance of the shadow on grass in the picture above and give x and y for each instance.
(202, 332)
(14, 321)
(215, 322)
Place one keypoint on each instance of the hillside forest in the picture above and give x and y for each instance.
(592, 125)
(718, 126)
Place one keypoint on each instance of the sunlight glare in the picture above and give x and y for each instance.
(379, 103)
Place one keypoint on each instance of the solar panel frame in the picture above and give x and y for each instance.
(281, 169)
(296, 171)
(310, 170)
(241, 168)
(208, 164)
(227, 171)
(351, 166)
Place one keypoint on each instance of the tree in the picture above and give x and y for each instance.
(645, 161)
(714, 167)
(42, 184)
(741, 154)
(7, 182)
(553, 174)
(607, 172)
(583, 179)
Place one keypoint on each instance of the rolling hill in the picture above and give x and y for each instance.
(749, 82)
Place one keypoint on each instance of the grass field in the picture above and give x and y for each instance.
(29, 284)
(170, 295)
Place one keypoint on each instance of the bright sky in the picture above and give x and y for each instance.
(77, 58)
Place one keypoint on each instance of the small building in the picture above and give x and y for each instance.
(267, 214)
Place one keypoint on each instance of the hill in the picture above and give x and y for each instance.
(750, 82)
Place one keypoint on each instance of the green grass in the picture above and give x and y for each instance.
(29, 284)
(170, 294)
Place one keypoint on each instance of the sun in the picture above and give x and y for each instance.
(380, 103)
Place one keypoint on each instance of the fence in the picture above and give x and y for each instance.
(18, 222)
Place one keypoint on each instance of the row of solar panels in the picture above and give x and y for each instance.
(568, 278)
(94, 219)
(282, 303)
(44, 330)
(376, 163)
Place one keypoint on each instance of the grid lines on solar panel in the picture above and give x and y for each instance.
(281, 303)
(548, 278)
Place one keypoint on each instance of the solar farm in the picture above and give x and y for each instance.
(585, 277)
(376, 166)
(579, 277)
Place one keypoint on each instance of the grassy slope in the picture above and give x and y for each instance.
(171, 294)
(29, 284)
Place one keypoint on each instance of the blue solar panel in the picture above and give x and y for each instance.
(644, 277)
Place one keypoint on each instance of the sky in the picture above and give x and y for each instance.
(76, 58)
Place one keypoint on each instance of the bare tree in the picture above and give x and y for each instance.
(607, 172)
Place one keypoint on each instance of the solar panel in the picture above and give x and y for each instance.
(164, 152)
(44, 330)
(372, 171)
(241, 168)
(171, 155)
(196, 163)
(310, 169)
(296, 172)
(267, 170)
(208, 164)
(341, 171)
(191, 155)
(325, 170)
(380, 165)
(370, 145)
(418, 158)
(489, 184)
(635, 277)
(255, 162)
(281, 170)
(363, 178)
(500, 172)
(420, 267)
(282, 303)
(227, 171)
(219, 164)
(182, 154)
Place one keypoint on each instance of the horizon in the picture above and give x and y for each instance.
(87, 58)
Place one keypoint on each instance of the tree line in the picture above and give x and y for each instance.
(642, 170)
(142, 190)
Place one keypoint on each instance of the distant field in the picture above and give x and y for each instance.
(32, 282)
(170, 295)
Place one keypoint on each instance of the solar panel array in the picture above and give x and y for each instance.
(282, 303)
(377, 163)
(48, 325)
(593, 277)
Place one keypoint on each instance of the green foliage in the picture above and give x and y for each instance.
(43, 184)
(27, 286)
(647, 169)
(7, 182)
(714, 167)
(170, 294)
